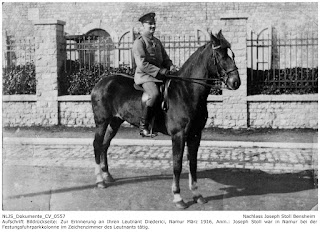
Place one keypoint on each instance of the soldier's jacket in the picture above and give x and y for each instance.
(149, 56)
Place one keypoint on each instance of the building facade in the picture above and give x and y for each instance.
(172, 18)
(39, 21)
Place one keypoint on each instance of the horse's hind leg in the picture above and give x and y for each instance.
(98, 150)
(111, 131)
(104, 134)
(193, 143)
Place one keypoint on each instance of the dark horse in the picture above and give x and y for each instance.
(115, 100)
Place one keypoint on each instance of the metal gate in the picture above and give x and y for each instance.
(282, 63)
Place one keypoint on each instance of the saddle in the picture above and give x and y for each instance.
(163, 98)
(163, 93)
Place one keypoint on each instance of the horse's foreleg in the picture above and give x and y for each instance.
(111, 131)
(193, 143)
(178, 143)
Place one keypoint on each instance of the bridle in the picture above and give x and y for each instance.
(223, 76)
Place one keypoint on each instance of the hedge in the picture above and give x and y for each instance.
(296, 80)
(19, 79)
(76, 80)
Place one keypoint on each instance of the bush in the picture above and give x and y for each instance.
(19, 79)
(77, 80)
(283, 81)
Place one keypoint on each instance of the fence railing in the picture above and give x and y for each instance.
(282, 64)
(18, 69)
(18, 52)
(180, 48)
(88, 57)
(277, 64)
(102, 50)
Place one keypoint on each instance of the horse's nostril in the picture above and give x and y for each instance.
(236, 84)
(233, 83)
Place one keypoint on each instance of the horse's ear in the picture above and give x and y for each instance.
(215, 40)
(224, 43)
(221, 37)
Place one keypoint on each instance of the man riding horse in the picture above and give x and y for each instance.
(115, 100)
(153, 64)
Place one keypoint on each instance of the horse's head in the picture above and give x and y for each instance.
(224, 64)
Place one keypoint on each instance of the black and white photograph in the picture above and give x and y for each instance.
(159, 116)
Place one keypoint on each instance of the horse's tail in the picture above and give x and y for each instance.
(100, 107)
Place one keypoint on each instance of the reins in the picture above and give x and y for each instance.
(182, 79)
(194, 80)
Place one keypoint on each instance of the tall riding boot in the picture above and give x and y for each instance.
(147, 114)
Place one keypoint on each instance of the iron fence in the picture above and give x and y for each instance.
(18, 68)
(89, 57)
(284, 63)
(277, 64)
(180, 48)
(90, 50)
(18, 52)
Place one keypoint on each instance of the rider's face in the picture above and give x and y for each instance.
(149, 27)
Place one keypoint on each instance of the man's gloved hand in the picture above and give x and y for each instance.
(173, 69)
(164, 71)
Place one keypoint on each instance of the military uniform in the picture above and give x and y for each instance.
(152, 63)
(150, 56)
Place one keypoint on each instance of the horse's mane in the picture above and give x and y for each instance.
(192, 60)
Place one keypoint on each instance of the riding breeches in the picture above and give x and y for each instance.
(152, 91)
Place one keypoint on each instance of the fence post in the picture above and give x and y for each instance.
(235, 102)
(49, 59)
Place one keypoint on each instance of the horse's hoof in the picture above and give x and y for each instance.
(154, 135)
(200, 200)
(181, 205)
(101, 185)
(109, 179)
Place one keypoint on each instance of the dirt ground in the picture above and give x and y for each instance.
(73, 189)
(211, 134)
(228, 189)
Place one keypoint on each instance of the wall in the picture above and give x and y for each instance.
(283, 115)
(19, 110)
(172, 18)
(76, 111)
(215, 112)
(234, 109)
(286, 112)
(19, 114)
